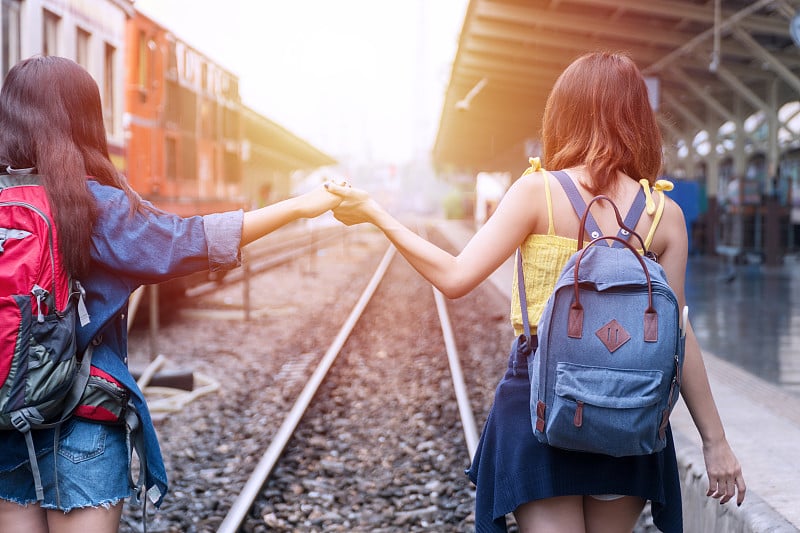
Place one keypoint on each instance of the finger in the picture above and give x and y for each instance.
(335, 188)
(715, 488)
(741, 489)
(730, 492)
(340, 182)
(344, 220)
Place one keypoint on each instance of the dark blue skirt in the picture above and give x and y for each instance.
(512, 467)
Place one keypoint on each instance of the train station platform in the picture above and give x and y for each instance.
(761, 417)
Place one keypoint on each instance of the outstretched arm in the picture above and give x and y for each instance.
(457, 275)
(262, 221)
(724, 473)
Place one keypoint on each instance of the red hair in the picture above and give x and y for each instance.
(599, 115)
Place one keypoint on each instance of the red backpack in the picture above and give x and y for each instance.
(41, 376)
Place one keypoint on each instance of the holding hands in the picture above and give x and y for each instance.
(356, 205)
(317, 201)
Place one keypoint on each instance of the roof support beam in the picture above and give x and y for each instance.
(576, 24)
(684, 111)
(744, 91)
(787, 75)
(711, 102)
(697, 13)
(725, 25)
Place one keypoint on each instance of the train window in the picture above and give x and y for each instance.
(108, 88)
(50, 25)
(171, 158)
(145, 48)
(82, 47)
(232, 167)
(11, 34)
(172, 59)
(188, 170)
(172, 98)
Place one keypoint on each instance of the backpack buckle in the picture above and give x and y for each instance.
(22, 419)
(20, 422)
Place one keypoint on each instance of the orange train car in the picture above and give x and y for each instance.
(183, 124)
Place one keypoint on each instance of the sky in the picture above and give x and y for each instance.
(361, 80)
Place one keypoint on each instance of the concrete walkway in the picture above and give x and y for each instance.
(762, 419)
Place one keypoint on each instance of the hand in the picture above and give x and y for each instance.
(724, 473)
(317, 201)
(356, 204)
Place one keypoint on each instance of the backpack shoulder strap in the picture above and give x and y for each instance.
(577, 202)
(633, 216)
(575, 198)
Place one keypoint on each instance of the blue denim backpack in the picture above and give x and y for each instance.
(607, 370)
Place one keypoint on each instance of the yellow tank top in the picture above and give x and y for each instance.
(544, 256)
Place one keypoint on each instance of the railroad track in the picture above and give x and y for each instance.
(375, 442)
(388, 393)
(266, 254)
(244, 502)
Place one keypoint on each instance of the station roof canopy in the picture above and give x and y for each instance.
(278, 148)
(711, 61)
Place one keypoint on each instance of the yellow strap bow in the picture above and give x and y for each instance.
(659, 186)
(535, 166)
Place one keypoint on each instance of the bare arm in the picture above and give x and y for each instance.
(260, 222)
(723, 469)
(457, 275)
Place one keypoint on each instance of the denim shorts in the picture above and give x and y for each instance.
(90, 469)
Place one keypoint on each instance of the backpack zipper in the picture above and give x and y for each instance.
(9, 233)
(41, 295)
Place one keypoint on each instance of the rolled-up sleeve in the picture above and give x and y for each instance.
(151, 246)
(223, 235)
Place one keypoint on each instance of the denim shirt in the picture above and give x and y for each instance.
(129, 251)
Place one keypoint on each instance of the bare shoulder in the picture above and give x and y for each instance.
(671, 237)
(672, 216)
(525, 201)
(532, 181)
(532, 187)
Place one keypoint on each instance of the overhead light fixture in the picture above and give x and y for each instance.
(464, 103)
(715, 54)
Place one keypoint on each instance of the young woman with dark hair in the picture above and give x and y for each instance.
(112, 241)
(600, 129)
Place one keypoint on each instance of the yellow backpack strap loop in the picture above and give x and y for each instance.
(535, 166)
(650, 206)
(551, 227)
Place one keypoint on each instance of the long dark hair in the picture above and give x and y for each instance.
(599, 114)
(51, 118)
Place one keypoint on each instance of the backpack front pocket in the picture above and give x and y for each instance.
(104, 400)
(612, 411)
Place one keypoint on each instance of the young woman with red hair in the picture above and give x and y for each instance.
(600, 130)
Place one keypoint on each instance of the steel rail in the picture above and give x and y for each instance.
(462, 398)
(252, 488)
(261, 259)
(464, 407)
